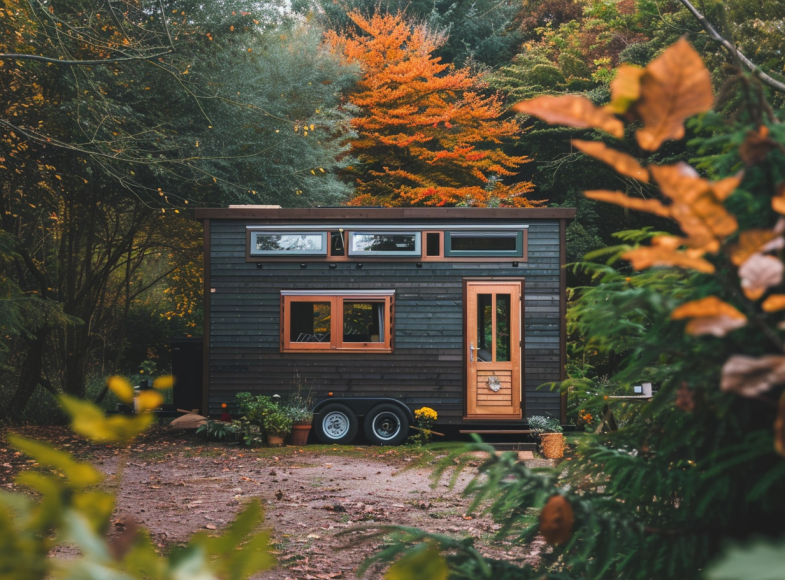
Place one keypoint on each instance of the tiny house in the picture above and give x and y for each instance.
(382, 311)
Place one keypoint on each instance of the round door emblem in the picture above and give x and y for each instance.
(494, 384)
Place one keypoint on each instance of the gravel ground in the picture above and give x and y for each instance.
(175, 485)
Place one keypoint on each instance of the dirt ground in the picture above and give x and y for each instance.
(175, 485)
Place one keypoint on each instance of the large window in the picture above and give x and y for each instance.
(384, 244)
(336, 321)
(497, 244)
(289, 244)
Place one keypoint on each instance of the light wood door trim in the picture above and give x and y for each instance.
(482, 402)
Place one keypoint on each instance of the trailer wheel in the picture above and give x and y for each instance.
(337, 424)
(386, 425)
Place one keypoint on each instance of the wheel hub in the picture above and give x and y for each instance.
(336, 425)
(386, 426)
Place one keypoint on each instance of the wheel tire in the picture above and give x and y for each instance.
(337, 424)
(386, 424)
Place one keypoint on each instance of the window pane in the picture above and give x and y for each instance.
(432, 244)
(363, 321)
(288, 243)
(460, 242)
(484, 327)
(503, 314)
(390, 244)
(310, 322)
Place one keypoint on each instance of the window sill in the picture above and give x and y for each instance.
(338, 350)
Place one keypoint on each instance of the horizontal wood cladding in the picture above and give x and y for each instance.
(427, 365)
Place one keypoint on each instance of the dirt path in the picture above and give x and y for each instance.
(175, 486)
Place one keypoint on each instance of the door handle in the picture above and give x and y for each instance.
(471, 352)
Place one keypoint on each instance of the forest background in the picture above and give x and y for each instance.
(119, 116)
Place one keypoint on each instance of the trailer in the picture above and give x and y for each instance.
(386, 310)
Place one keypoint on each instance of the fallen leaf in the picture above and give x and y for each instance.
(617, 197)
(749, 376)
(774, 303)
(758, 274)
(756, 146)
(210, 527)
(556, 520)
(573, 111)
(621, 162)
(675, 86)
(709, 315)
(625, 88)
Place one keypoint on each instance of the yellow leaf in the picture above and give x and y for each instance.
(147, 400)
(774, 303)
(121, 388)
(427, 564)
(621, 162)
(675, 86)
(648, 205)
(709, 315)
(166, 382)
(573, 111)
(625, 88)
(88, 420)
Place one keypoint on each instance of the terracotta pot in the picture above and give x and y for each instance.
(552, 445)
(274, 441)
(299, 435)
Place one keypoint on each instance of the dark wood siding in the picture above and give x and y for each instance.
(426, 367)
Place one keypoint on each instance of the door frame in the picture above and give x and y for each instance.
(464, 362)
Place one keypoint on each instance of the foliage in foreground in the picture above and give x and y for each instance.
(701, 465)
(67, 503)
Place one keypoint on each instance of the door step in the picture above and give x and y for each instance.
(514, 446)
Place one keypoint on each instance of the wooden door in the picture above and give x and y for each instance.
(493, 350)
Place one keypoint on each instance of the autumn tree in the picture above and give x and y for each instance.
(697, 312)
(427, 133)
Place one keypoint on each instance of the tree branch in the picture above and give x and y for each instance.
(712, 32)
(16, 56)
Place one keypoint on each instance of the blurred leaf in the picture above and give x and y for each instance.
(78, 474)
(148, 400)
(166, 382)
(761, 560)
(709, 315)
(424, 564)
(122, 388)
(571, 110)
(89, 421)
(621, 162)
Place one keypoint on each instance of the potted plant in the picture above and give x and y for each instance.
(277, 425)
(549, 430)
(299, 407)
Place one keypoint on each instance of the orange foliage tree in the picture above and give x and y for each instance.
(426, 133)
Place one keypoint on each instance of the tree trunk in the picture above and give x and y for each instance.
(29, 374)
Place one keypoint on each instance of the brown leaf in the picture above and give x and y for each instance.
(663, 252)
(695, 205)
(709, 315)
(556, 520)
(749, 377)
(779, 427)
(648, 205)
(778, 201)
(755, 241)
(774, 303)
(685, 398)
(756, 146)
(676, 86)
(573, 111)
(625, 88)
(758, 274)
(621, 162)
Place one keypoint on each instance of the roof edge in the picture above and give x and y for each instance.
(395, 213)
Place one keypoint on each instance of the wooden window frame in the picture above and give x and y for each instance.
(425, 256)
(337, 344)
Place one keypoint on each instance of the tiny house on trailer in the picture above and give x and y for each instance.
(386, 310)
